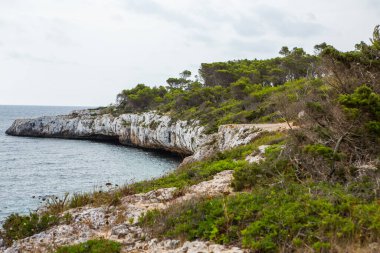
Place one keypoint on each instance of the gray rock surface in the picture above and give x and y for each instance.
(146, 130)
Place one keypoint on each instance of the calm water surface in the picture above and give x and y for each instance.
(39, 167)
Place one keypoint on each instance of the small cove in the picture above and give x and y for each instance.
(33, 167)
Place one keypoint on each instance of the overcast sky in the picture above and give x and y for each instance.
(83, 52)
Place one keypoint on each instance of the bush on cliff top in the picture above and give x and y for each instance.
(226, 92)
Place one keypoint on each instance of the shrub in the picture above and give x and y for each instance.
(261, 173)
(323, 151)
(92, 246)
(17, 226)
(273, 218)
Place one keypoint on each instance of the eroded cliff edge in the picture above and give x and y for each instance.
(146, 130)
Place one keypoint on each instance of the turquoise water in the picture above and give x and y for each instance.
(31, 168)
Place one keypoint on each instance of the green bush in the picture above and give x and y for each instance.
(92, 246)
(17, 226)
(270, 218)
(231, 92)
(257, 174)
(323, 151)
(264, 171)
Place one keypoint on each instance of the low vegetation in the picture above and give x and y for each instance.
(226, 92)
(92, 246)
(20, 226)
(274, 210)
(274, 218)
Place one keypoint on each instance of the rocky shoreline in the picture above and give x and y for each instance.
(146, 130)
(121, 223)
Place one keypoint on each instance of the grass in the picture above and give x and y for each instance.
(267, 219)
(92, 246)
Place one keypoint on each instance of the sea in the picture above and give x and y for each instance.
(32, 169)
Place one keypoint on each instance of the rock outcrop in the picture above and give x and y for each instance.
(146, 130)
(120, 223)
(231, 136)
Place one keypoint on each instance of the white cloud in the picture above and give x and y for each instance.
(82, 52)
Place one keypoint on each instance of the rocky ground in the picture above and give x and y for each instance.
(121, 223)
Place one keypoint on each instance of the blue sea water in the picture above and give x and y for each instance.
(33, 167)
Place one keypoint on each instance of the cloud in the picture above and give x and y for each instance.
(29, 57)
(249, 26)
(153, 8)
(59, 37)
(56, 31)
(253, 21)
(252, 48)
(374, 5)
(264, 19)
(117, 43)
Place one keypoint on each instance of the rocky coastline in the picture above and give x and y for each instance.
(145, 130)
(121, 223)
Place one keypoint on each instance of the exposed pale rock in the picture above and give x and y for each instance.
(147, 130)
(220, 184)
(174, 246)
(103, 222)
(231, 136)
(258, 155)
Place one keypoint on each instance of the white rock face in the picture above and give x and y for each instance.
(231, 136)
(146, 130)
(236, 135)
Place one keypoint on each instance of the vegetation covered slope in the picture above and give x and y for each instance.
(224, 92)
(319, 191)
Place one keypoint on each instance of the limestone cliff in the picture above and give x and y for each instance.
(146, 130)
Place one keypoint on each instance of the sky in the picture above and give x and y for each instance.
(84, 52)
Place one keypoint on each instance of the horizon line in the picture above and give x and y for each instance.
(44, 105)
